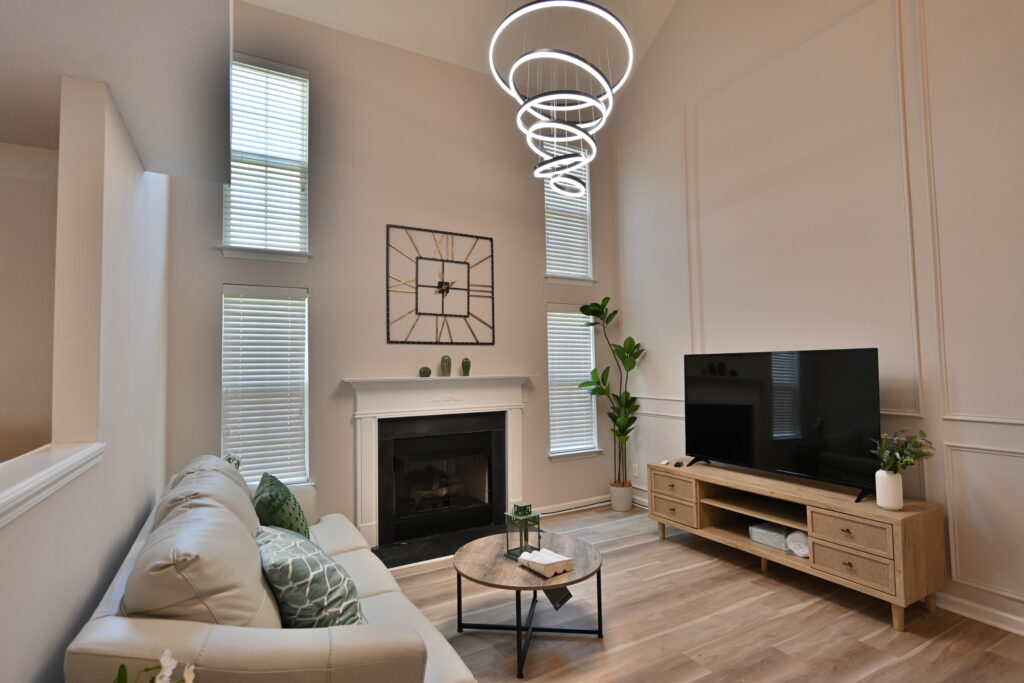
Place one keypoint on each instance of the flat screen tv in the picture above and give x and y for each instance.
(805, 413)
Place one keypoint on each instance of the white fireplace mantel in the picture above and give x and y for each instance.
(387, 397)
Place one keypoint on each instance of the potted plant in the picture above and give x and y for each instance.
(897, 452)
(622, 405)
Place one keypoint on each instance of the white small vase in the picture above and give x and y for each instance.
(622, 498)
(889, 490)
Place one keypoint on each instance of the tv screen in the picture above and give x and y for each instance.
(807, 413)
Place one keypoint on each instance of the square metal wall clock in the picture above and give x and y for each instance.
(440, 287)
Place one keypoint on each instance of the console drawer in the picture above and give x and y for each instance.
(853, 532)
(672, 486)
(860, 567)
(684, 513)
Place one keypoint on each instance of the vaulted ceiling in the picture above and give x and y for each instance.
(455, 31)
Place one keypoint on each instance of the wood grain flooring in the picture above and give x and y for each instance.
(688, 609)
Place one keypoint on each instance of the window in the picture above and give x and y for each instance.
(264, 395)
(265, 205)
(570, 360)
(567, 229)
(786, 395)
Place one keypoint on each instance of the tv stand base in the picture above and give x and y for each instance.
(694, 461)
(895, 556)
(864, 493)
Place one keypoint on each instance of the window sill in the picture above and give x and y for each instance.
(265, 254)
(576, 455)
(572, 281)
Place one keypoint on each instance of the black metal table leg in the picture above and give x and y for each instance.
(519, 635)
(523, 645)
(458, 592)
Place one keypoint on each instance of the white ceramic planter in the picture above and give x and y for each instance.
(622, 498)
(889, 490)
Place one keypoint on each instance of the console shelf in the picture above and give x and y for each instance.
(899, 557)
(781, 512)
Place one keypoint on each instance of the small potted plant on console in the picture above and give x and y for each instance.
(896, 452)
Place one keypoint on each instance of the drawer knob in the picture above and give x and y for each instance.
(671, 486)
(848, 564)
(671, 509)
(846, 531)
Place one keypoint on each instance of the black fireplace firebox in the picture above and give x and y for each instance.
(440, 474)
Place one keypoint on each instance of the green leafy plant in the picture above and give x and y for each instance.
(899, 450)
(622, 405)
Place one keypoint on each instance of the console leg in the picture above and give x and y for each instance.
(929, 602)
(897, 617)
(764, 564)
(661, 530)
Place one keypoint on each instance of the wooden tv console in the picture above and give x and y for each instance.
(899, 557)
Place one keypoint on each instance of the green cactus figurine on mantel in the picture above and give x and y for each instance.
(424, 371)
(465, 367)
(446, 366)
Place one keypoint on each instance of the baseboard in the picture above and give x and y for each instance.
(986, 615)
(641, 499)
(572, 505)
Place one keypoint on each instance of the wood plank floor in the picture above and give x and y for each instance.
(688, 609)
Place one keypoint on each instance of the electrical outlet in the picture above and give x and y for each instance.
(636, 469)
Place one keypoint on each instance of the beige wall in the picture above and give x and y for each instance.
(58, 557)
(28, 195)
(395, 138)
(802, 174)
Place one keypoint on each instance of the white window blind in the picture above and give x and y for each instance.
(264, 381)
(265, 205)
(786, 395)
(567, 229)
(570, 359)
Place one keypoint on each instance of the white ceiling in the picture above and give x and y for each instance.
(166, 64)
(455, 31)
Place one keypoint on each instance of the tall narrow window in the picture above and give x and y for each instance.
(570, 359)
(786, 395)
(264, 375)
(265, 206)
(567, 230)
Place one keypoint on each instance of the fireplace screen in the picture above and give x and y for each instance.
(446, 482)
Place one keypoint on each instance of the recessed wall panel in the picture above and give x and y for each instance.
(802, 204)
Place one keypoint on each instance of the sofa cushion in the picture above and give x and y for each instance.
(209, 487)
(368, 572)
(443, 664)
(312, 590)
(200, 564)
(202, 463)
(334, 533)
(276, 506)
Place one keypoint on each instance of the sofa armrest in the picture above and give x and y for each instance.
(225, 654)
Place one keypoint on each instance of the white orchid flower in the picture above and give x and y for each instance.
(167, 666)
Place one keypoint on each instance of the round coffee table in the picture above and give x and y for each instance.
(483, 561)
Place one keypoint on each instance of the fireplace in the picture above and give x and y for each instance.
(439, 474)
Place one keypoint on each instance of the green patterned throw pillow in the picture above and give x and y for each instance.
(276, 506)
(312, 590)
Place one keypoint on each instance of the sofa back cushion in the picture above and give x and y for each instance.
(203, 463)
(209, 487)
(200, 563)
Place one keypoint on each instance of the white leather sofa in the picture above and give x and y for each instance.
(397, 644)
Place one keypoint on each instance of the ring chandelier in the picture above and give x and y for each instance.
(559, 121)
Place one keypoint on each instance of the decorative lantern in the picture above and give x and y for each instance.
(522, 530)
